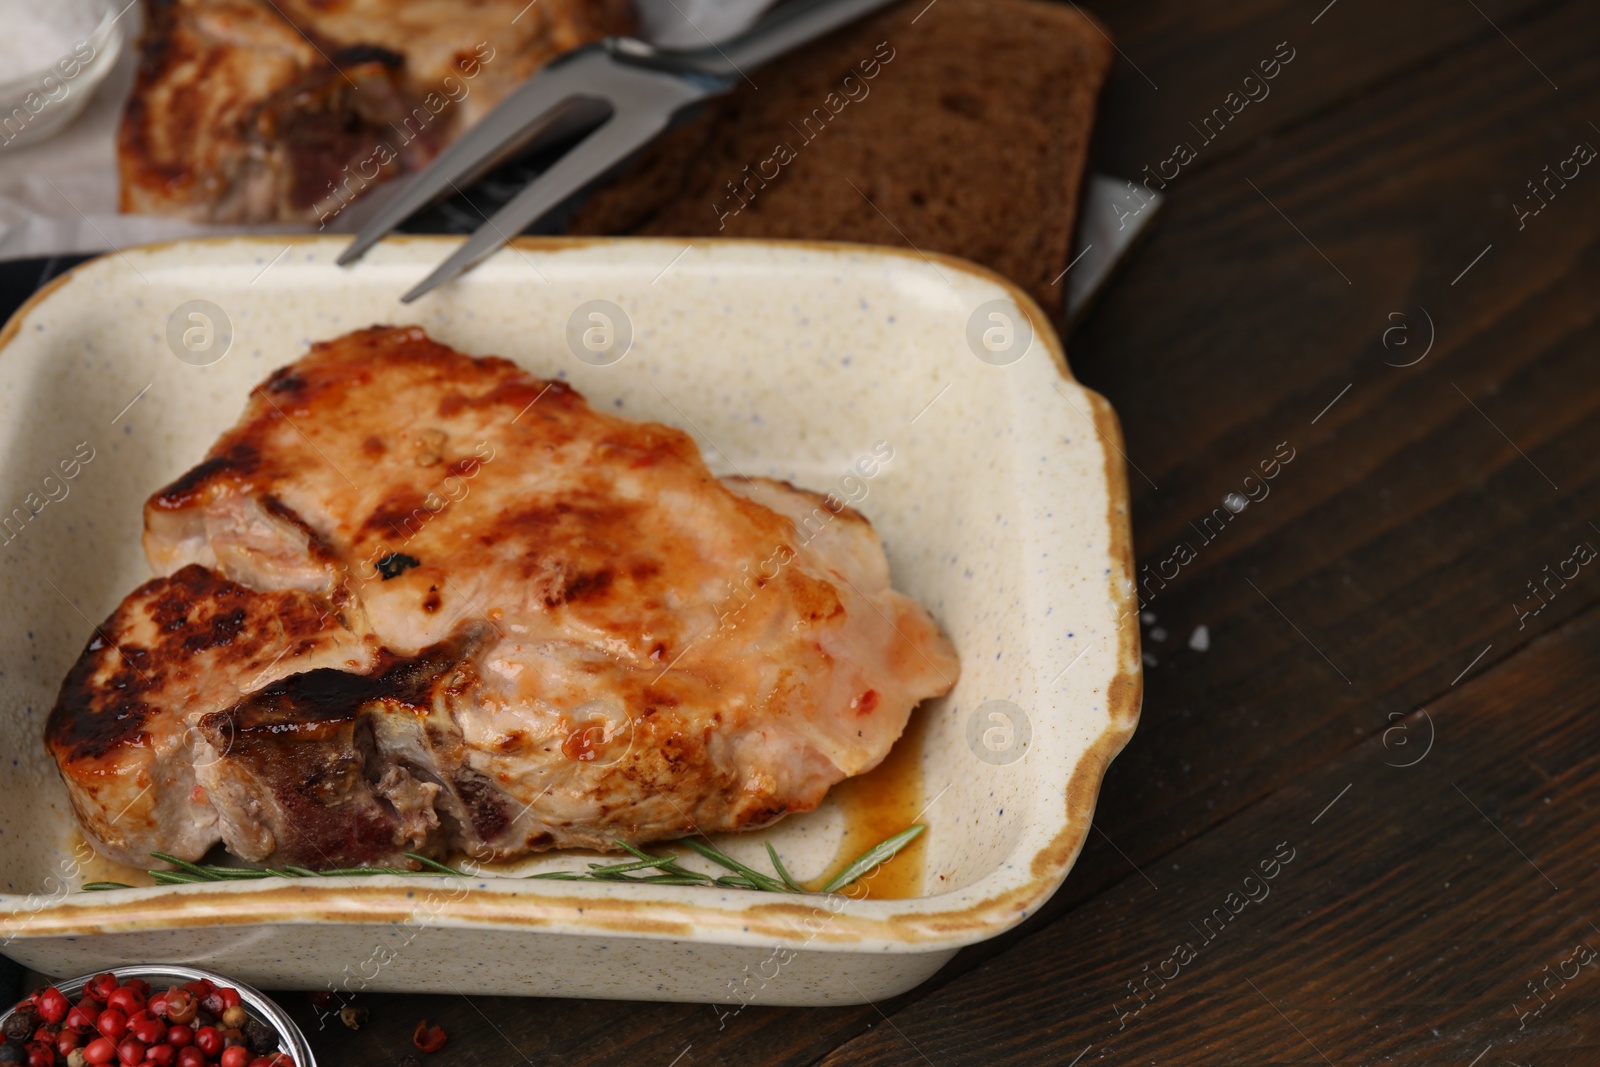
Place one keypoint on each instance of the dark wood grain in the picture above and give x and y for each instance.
(1390, 552)
(1188, 57)
(1418, 904)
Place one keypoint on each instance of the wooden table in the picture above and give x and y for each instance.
(1385, 698)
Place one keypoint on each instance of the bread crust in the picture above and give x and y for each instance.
(969, 138)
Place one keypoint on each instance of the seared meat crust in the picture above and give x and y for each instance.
(123, 729)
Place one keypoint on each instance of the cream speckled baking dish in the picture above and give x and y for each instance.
(1004, 510)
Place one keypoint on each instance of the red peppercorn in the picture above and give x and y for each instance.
(321, 999)
(53, 1005)
(261, 1061)
(231, 997)
(208, 1039)
(101, 985)
(157, 1005)
(162, 1055)
(73, 1037)
(191, 1057)
(181, 1007)
(180, 1036)
(131, 1052)
(126, 1000)
(100, 1050)
(47, 1034)
(112, 1023)
(140, 985)
(147, 1028)
(429, 1038)
(237, 1056)
(40, 1054)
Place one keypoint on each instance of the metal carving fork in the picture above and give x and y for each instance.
(642, 89)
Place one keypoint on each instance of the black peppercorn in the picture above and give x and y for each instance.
(12, 1054)
(203, 1018)
(261, 1038)
(21, 1024)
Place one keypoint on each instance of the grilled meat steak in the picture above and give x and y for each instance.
(250, 111)
(419, 601)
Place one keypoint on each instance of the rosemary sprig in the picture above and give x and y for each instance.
(743, 877)
(434, 866)
(755, 877)
(666, 869)
(190, 873)
(880, 853)
(777, 865)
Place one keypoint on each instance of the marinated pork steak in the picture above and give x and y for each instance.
(418, 601)
(248, 111)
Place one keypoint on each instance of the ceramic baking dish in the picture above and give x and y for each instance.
(1004, 510)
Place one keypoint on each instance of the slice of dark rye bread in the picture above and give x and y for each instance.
(959, 126)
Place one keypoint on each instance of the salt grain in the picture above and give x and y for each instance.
(1200, 640)
(37, 34)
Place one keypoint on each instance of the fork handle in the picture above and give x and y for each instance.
(787, 28)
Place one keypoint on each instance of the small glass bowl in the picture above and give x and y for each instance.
(162, 975)
(43, 102)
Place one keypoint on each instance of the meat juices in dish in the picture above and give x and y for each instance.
(419, 601)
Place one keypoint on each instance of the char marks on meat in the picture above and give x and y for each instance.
(416, 601)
